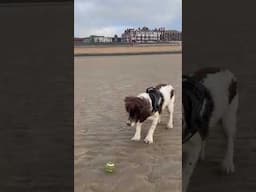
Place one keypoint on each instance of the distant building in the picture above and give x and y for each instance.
(170, 35)
(78, 41)
(140, 35)
(116, 39)
(87, 40)
(100, 39)
(82, 41)
(144, 35)
(93, 39)
(128, 36)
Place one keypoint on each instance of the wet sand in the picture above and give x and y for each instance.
(101, 83)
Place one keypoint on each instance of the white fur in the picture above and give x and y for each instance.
(155, 117)
(137, 135)
(194, 149)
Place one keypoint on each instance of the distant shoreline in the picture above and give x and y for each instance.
(138, 49)
(120, 54)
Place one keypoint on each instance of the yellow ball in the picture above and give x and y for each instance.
(109, 167)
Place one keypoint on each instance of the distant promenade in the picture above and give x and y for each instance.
(127, 49)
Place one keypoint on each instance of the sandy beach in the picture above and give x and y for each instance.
(126, 50)
(101, 83)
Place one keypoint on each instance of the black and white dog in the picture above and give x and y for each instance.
(149, 105)
(209, 96)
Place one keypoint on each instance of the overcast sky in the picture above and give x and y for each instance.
(109, 17)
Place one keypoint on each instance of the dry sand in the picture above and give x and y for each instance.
(101, 83)
(138, 49)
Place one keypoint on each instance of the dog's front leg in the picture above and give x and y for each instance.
(190, 154)
(149, 137)
(171, 109)
(137, 134)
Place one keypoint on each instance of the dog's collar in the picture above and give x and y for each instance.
(157, 99)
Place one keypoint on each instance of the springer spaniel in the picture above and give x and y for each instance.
(209, 96)
(149, 105)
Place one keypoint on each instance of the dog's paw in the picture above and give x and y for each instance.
(228, 166)
(169, 126)
(135, 138)
(148, 140)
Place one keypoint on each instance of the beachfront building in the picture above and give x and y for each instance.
(100, 39)
(170, 35)
(116, 39)
(78, 41)
(87, 40)
(141, 35)
(93, 39)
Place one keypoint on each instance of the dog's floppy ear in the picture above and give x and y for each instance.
(144, 113)
(126, 99)
(138, 106)
(128, 103)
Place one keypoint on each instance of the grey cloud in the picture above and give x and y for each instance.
(112, 16)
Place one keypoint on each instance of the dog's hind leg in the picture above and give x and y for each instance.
(229, 126)
(171, 110)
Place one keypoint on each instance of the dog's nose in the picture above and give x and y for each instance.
(128, 123)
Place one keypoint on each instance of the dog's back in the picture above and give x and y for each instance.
(222, 89)
(222, 86)
(167, 91)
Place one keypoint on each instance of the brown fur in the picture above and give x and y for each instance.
(138, 108)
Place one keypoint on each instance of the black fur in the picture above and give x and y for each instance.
(232, 90)
(172, 93)
(157, 99)
(196, 97)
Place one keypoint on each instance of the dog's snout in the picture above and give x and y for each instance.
(128, 123)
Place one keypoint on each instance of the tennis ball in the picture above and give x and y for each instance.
(109, 167)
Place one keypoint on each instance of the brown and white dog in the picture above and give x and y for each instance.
(209, 96)
(149, 105)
